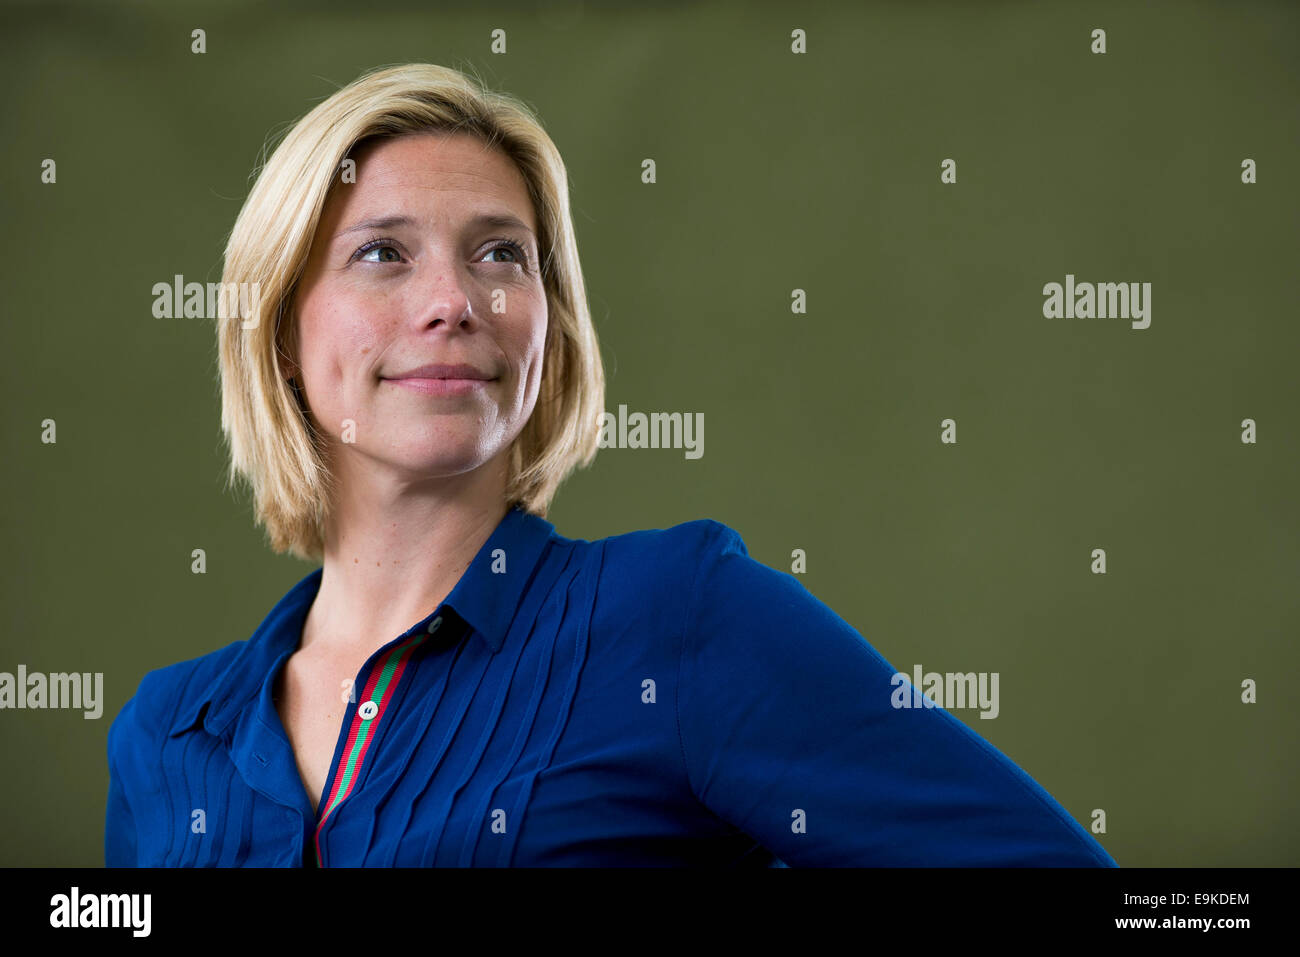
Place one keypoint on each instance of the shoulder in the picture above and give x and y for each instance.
(684, 547)
(667, 562)
(170, 697)
(700, 576)
(701, 570)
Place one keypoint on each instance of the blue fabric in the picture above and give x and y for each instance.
(656, 698)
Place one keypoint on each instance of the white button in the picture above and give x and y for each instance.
(433, 625)
(368, 710)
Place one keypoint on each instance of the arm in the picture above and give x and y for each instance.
(119, 823)
(785, 714)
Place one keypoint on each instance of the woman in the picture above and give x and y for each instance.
(459, 684)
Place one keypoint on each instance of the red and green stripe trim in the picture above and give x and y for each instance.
(380, 687)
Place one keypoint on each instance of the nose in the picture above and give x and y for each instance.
(441, 300)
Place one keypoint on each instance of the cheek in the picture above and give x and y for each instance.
(339, 342)
(531, 338)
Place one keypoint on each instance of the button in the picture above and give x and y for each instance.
(368, 710)
(433, 625)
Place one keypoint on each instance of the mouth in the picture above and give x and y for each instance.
(440, 386)
(442, 379)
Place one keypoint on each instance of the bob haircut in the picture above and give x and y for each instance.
(273, 444)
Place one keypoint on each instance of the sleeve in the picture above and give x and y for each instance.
(790, 732)
(119, 823)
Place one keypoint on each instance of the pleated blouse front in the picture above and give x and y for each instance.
(656, 698)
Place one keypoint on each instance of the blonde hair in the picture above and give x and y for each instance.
(272, 444)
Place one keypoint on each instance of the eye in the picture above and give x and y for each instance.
(515, 249)
(384, 252)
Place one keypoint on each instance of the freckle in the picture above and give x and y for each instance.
(365, 350)
(354, 561)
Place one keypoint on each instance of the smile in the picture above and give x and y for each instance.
(440, 386)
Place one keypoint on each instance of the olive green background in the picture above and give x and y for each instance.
(775, 172)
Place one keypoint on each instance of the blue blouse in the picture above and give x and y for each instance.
(657, 698)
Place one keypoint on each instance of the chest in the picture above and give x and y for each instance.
(479, 759)
(312, 696)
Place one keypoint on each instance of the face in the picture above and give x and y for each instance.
(421, 312)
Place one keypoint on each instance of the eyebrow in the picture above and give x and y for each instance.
(391, 222)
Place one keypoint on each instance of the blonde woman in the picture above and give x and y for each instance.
(458, 683)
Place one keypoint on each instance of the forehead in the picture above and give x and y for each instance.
(435, 171)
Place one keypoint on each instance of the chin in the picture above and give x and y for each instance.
(442, 460)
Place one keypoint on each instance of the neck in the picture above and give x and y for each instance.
(394, 550)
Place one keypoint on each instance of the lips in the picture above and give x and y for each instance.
(443, 371)
(443, 380)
